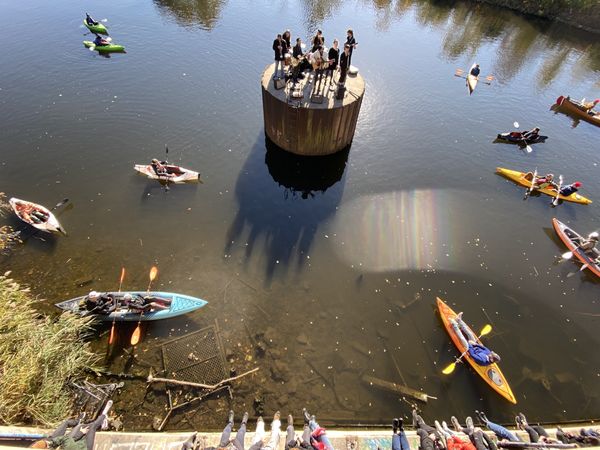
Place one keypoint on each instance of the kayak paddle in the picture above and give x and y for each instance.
(555, 199)
(111, 337)
(527, 147)
(528, 191)
(567, 255)
(450, 368)
(135, 337)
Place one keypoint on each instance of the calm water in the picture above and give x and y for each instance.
(334, 263)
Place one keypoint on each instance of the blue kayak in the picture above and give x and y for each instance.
(180, 304)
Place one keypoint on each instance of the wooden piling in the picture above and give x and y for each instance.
(317, 123)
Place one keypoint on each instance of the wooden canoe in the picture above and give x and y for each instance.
(180, 304)
(175, 174)
(492, 374)
(519, 178)
(573, 240)
(576, 109)
(24, 209)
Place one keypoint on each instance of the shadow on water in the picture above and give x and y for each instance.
(284, 217)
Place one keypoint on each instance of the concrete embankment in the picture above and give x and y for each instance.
(583, 14)
(355, 439)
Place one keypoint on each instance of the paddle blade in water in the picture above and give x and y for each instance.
(583, 267)
(567, 255)
(516, 124)
(153, 273)
(448, 370)
(111, 337)
(91, 48)
(122, 277)
(528, 148)
(485, 330)
(104, 20)
(135, 337)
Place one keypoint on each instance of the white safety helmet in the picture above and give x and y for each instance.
(594, 235)
(127, 297)
(93, 294)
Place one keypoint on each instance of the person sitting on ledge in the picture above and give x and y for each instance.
(399, 439)
(429, 437)
(238, 442)
(501, 432)
(536, 433)
(258, 442)
(480, 440)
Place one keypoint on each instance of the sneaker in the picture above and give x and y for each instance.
(518, 422)
(401, 423)
(305, 415)
(470, 426)
(107, 408)
(455, 423)
(395, 425)
(523, 418)
(446, 429)
(245, 418)
(277, 415)
(260, 419)
(230, 417)
(459, 316)
(290, 420)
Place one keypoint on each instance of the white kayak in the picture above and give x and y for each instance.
(37, 216)
(174, 174)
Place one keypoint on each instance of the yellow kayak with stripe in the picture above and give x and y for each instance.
(492, 374)
(519, 178)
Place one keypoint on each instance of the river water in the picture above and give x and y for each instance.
(333, 265)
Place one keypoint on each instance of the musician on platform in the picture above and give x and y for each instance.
(318, 41)
(287, 37)
(279, 47)
(352, 43)
(344, 64)
(319, 64)
(333, 57)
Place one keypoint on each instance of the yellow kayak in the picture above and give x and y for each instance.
(519, 178)
(492, 374)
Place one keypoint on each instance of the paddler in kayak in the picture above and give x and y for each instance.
(542, 182)
(475, 70)
(589, 244)
(532, 134)
(100, 303)
(89, 20)
(589, 106)
(145, 303)
(100, 41)
(570, 189)
(159, 168)
(480, 353)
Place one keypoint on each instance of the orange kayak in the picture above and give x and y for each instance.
(491, 374)
(572, 240)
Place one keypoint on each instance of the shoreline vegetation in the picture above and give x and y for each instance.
(39, 355)
(583, 14)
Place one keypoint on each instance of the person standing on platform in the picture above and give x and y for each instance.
(344, 64)
(352, 43)
(333, 57)
(279, 49)
(287, 37)
(318, 41)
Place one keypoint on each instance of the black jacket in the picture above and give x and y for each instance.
(344, 61)
(297, 52)
(279, 52)
(334, 55)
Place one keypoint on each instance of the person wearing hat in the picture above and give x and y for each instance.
(570, 189)
(546, 181)
(478, 352)
(589, 106)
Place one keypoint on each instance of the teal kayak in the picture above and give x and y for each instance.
(104, 48)
(98, 28)
(180, 304)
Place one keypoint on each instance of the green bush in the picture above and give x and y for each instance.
(38, 356)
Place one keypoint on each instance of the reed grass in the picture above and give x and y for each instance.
(8, 236)
(38, 356)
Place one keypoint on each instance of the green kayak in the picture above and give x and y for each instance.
(105, 48)
(98, 28)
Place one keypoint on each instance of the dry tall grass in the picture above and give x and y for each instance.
(8, 237)
(38, 356)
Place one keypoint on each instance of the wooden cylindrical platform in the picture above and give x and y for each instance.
(305, 126)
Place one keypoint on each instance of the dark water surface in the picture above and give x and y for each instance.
(334, 264)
